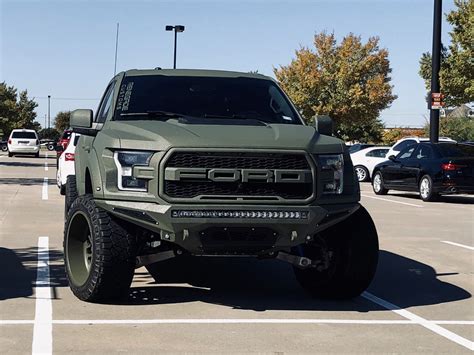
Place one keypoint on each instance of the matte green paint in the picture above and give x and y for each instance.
(95, 154)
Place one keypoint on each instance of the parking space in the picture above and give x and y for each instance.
(419, 301)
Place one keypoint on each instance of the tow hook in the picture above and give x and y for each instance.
(298, 261)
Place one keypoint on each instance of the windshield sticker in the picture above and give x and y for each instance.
(124, 96)
(287, 118)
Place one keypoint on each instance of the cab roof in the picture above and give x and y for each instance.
(195, 72)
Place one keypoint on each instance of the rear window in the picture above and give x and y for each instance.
(24, 135)
(456, 150)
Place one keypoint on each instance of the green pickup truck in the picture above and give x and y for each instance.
(195, 163)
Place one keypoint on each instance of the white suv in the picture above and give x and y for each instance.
(23, 141)
(405, 142)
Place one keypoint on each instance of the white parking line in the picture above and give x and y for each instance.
(43, 327)
(457, 244)
(234, 321)
(45, 166)
(421, 321)
(385, 199)
(44, 194)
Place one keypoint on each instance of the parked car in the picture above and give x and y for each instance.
(23, 141)
(66, 162)
(365, 160)
(358, 146)
(63, 141)
(431, 169)
(407, 141)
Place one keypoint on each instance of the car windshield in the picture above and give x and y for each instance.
(24, 135)
(160, 96)
(456, 150)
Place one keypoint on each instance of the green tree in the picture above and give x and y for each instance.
(457, 62)
(458, 128)
(348, 81)
(16, 110)
(49, 133)
(61, 121)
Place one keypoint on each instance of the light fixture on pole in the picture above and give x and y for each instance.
(176, 29)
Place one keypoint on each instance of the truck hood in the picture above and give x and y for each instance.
(160, 136)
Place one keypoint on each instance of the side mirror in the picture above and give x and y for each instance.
(392, 158)
(81, 122)
(323, 124)
(59, 148)
(81, 119)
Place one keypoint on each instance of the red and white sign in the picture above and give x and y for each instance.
(437, 101)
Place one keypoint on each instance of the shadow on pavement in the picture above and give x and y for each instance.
(456, 199)
(25, 181)
(25, 164)
(18, 269)
(270, 285)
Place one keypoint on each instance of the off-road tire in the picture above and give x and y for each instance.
(426, 191)
(105, 271)
(377, 184)
(353, 249)
(362, 173)
(70, 193)
(62, 190)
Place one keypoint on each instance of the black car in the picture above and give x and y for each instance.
(431, 169)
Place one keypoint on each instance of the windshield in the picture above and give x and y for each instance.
(456, 150)
(24, 135)
(208, 97)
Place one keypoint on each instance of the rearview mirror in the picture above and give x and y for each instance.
(81, 119)
(323, 124)
(392, 157)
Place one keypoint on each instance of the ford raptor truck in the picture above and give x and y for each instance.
(195, 163)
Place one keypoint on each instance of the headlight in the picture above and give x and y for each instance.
(125, 161)
(332, 172)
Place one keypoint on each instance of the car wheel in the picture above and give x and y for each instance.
(349, 255)
(362, 173)
(50, 147)
(99, 253)
(62, 190)
(70, 193)
(4, 148)
(426, 189)
(10, 154)
(377, 184)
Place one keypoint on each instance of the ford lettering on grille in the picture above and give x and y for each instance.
(242, 175)
(237, 176)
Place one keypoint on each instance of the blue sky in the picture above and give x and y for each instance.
(66, 48)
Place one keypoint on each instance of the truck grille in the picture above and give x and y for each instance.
(203, 188)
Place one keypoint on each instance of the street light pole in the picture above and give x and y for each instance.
(49, 111)
(435, 66)
(176, 29)
(175, 45)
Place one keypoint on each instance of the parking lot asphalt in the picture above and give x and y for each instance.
(420, 300)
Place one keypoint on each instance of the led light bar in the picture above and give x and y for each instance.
(239, 214)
